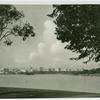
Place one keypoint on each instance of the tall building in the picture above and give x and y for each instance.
(59, 69)
(41, 69)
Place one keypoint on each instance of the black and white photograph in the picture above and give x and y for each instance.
(49, 51)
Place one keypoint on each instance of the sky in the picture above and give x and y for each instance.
(43, 50)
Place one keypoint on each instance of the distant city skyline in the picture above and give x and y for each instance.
(43, 49)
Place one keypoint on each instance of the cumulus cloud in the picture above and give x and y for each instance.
(49, 45)
(56, 59)
(33, 55)
(41, 48)
(49, 30)
(57, 47)
(49, 37)
(47, 48)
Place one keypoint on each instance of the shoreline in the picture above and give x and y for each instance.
(56, 74)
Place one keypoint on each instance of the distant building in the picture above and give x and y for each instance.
(56, 69)
(22, 70)
(30, 69)
(64, 69)
(1, 70)
(16, 71)
(6, 70)
(59, 69)
(41, 69)
(49, 69)
(53, 69)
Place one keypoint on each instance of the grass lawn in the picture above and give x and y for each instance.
(7, 92)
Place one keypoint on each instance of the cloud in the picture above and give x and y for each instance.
(56, 59)
(46, 48)
(49, 37)
(57, 47)
(33, 55)
(49, 30)
(41, 48)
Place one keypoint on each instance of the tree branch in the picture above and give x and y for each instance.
(5, 35)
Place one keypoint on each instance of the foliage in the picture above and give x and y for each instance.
(79, 26)
(11, 24)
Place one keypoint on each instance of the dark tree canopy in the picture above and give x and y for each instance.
(11, 24)
(79, 27)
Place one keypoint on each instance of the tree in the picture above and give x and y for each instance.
(79, 27)
(11, 24)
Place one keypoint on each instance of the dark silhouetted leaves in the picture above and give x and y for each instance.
(11, 24)
(79, 25)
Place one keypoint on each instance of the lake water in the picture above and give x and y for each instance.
(53, 82)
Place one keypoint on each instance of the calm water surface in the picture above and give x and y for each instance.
(53, 82)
